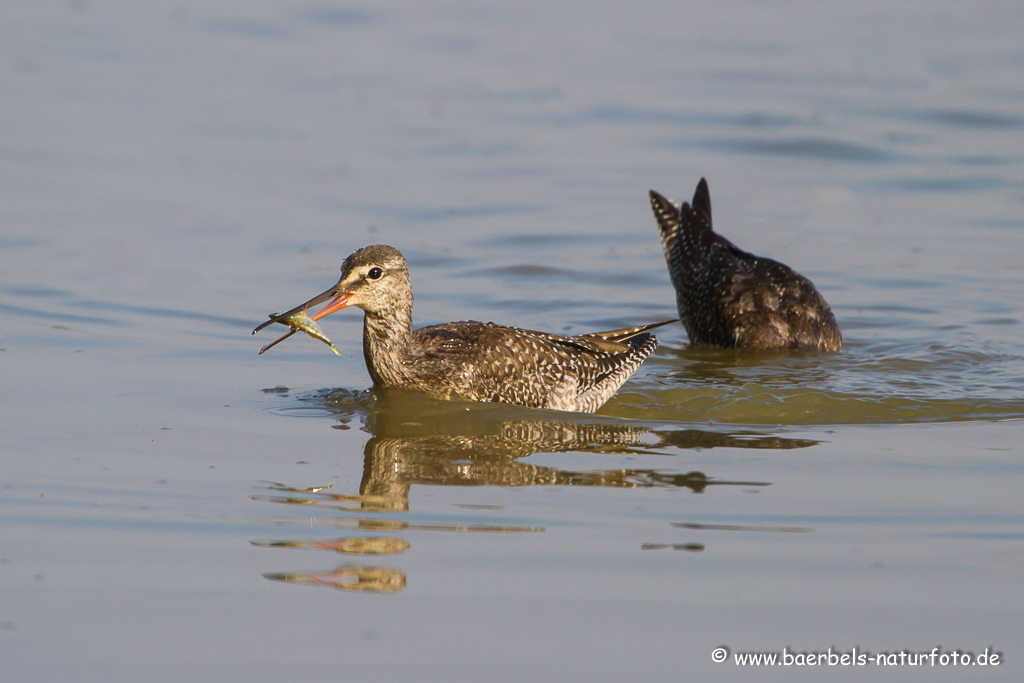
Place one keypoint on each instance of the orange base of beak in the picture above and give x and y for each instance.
(339, 302)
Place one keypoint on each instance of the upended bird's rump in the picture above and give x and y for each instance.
(731, 298)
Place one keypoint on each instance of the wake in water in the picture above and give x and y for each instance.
(874, 383)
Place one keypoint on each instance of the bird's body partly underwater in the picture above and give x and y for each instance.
(734, 299)
(475, 360)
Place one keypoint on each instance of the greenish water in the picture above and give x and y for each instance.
(173, 506)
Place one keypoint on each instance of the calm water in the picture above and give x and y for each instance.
(173, 507)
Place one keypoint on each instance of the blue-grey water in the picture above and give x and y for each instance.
(175, 507)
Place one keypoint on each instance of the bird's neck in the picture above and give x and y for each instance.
(386, 340)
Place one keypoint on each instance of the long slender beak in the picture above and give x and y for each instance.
(340, 301)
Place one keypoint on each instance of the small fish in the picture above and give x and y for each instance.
(299, 321)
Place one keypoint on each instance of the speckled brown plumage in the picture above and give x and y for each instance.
(731, 298)
(474, 360)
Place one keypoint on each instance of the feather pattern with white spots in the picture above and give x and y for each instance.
(734, 299)
(479, 361)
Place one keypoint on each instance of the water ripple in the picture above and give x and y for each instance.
(943, 184)
(960, 118)
(879, 383)
(529, 271)
(826, 149)
(752, 119)
(245, 28)
(338, 16)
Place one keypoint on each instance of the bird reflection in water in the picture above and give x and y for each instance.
(356, 578)
(422, 441)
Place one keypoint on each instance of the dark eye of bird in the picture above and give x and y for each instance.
(374, 273)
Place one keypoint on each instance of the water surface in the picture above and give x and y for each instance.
(175, 506)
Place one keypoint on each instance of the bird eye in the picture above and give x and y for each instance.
(374, 273)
